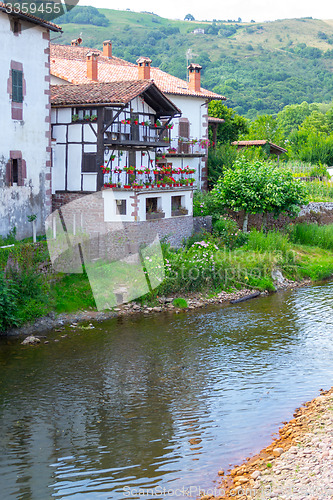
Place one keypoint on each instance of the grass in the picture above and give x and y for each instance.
(181, 303)
(320, 191)
(205, 266)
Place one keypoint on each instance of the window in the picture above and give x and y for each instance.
(86, 114)
(15, 171)
(151, 205)
(89, 162)
(121, 207)
(184, 134)
(17, 85)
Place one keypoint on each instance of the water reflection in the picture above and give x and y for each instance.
(162, 401)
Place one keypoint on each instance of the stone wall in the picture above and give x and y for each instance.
(202, 224)
(320, 213)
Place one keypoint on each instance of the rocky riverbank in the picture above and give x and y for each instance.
(163, 305)
(298, 465)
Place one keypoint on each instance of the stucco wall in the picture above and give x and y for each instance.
(31, 135)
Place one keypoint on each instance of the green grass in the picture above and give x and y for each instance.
(312, 235)
(181, 303)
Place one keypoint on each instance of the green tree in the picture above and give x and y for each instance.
(266, 127)
(292, 116)
(189, 17)
(233, 125)
(258, 187)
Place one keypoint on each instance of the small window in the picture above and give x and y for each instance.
(121, 207)
(176, 202)
(15, 171)
(17, 85)
(151, 205)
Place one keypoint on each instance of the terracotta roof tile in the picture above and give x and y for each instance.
(98, 93)
(115, 69)
(29, 17)
(212, 119)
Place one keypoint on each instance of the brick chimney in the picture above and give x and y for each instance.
(194, 77)
(144, 68)
(92, 66)
(107, 49)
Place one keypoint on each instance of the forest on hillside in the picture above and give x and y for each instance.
(259, 67)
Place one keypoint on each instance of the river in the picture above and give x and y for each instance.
(157, 402)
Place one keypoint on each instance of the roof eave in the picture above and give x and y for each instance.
(38, 22)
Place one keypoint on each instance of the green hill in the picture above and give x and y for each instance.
(259, 67)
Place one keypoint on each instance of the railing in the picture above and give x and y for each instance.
(181, 146)
(124, 133)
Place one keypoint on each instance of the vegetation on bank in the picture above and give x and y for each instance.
(227, 260)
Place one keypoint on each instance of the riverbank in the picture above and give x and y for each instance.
(296, 465)
(165, 305)
(207, 269)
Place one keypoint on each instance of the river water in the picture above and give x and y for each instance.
(160, 402)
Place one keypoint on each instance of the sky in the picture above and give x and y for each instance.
(247, 10)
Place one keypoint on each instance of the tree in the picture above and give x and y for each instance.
(233, 125)
(293, 115)
(189, 17)
(258, 187)
(266, 127)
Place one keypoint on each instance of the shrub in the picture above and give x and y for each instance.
(229, 233)
(8, 304)
(181, 303)
(312, 234)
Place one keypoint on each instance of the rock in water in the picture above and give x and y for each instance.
(31, 340)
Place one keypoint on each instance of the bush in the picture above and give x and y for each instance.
(268, 242)
(228, 232)
(8, 304)
(203, 204)
(181, 303)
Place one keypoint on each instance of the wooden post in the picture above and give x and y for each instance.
(100, 147)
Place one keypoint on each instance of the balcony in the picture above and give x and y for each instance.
(180, 147)
(136, 135)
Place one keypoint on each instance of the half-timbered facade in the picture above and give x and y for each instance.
(106, 135)
(188, 145)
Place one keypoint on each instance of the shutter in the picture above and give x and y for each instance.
(108, 115)
(89, 162)
(9, 170)
(17, 85)
(184, 132)
(20, 177)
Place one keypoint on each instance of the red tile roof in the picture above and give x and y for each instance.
(105, 93)
(27, 17)
(260, 142)
(212, 119)
(115, 70)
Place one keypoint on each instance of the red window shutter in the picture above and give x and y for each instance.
(20, 177)
(9, 173)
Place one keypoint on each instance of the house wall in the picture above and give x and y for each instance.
(196, 110)
(25, 130)
(71, 140)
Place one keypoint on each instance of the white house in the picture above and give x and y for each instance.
(25, 111)
(105, 136)
(189, 135)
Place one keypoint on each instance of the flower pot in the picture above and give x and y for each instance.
(127, 187)
(163, 185)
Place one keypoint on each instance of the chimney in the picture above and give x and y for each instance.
(107, 49)
(194, 77)
(92, 66)
(144, 68)
(76, 42)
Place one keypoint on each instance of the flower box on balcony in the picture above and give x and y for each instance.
(155, 215)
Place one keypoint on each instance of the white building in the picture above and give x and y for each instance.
(25, 111)
(189, 135)
(106, 135)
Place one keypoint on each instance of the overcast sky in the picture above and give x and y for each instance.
(258, 10)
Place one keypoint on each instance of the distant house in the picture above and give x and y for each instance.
(198, 31)
(25, 110)
(188, 139)
(272, 149)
